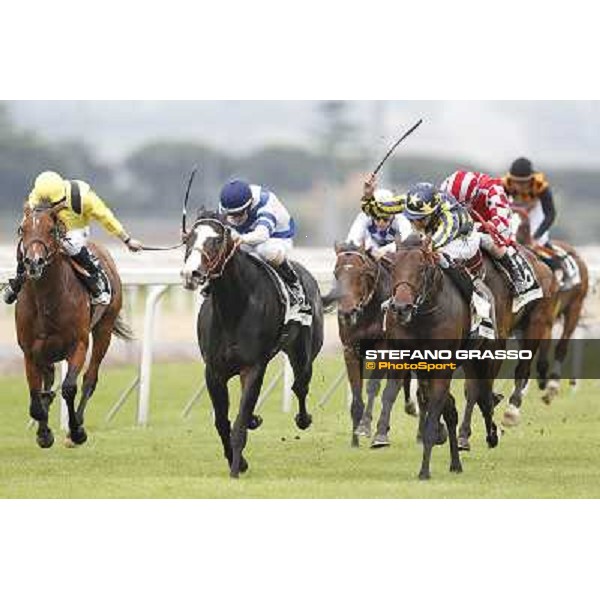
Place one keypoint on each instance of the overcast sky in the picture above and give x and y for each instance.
(490, 132)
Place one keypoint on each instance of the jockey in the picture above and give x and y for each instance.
(453, 236)
(530, 191)
(485, 197)
(260, 220)
(378, 233)
(81, 205)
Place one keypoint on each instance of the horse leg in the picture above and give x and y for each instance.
(485, 401)
(390, 393)
(219, 396)
(101, 341)
(437, 397)
(465, 428)
(253, 379)
(451, 419)
(301, 361)
(77, 434)
(38, 409)
(410, 406)
(255, 421)
(512, 414)
(422, 401)
(364, 427)
(571, 318)
(357, 406)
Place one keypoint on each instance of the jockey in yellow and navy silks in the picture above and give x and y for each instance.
(261, 221)
(80, 206)
(453, 236)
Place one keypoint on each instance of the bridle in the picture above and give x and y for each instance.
(48, 254)
(216, 266)
(366, 299)
(423, 293)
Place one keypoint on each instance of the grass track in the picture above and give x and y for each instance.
(555, 453)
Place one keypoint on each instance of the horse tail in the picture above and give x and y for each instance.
(123, 330)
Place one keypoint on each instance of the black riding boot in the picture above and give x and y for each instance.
(290, 278)
(14, 285)
(510, 264)
(97, 281)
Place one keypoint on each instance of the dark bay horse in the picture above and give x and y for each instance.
(362, 285)
(426, 305)
(568, 305)
(54, 321)
(241, 328)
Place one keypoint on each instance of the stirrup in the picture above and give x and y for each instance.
(9, 295)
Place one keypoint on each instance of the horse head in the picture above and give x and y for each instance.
(356, 273)
(413, 277)
(41, 232)
(209, 246)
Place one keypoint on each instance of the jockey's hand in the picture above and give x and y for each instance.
(369, 186)
(235, 236)
(377, 253)
(134, 245)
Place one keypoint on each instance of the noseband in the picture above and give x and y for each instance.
(216, 266)
(423, 294)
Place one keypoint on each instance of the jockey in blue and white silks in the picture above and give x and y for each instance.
(262, 221)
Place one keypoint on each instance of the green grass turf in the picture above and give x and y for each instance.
(554, 453)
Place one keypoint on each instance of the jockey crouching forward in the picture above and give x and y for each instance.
(378, 232)
(531, 191)
(80, 206)
(487, 201)
(262, 222)
(453, 236)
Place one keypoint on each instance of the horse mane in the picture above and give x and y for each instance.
(347, 247)
(414, 240)
(206, 213)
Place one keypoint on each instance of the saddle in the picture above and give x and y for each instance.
(291, 313)
(558, 259)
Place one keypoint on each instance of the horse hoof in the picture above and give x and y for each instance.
(456, 468)
(255, 422)
(78, 436)
(410, 408)
(363, 430)
(303, 421)
(464, 445)
(552, 390)
(354, 443)
(45, 440)
(497, 398)
(243, 465)
(424, 476)
(492, 440)
(380, 441)
(512, 416)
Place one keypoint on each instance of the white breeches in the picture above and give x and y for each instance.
(536, 216)
(275, 250)
(75, 240)
(463, 248)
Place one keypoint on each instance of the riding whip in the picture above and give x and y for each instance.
(389, 152)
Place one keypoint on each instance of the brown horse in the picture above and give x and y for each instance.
(533, 324)
(426, 305)
(568, 304)
(362, 285)
(54, 320)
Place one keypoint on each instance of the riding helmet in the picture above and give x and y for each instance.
(384, 200)
(236, 196)
(422, 200)
(49, 186)
(521, 169)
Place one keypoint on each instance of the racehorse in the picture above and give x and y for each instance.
(426, 305)
(54, 321)
(362, 285)
(241, 327)
(532, 323)
(568, 304)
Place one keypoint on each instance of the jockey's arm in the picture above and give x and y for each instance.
(95, 208)
(358, 231)
(549, 213)
(445, 230)
(257, 236)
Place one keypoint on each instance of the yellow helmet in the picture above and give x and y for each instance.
(49, 186)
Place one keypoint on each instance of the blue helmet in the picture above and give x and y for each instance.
(422, 200)
(236, 196)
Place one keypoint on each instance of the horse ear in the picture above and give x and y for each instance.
(337, 246)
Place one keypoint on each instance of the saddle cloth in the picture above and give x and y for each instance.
(291, 311)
